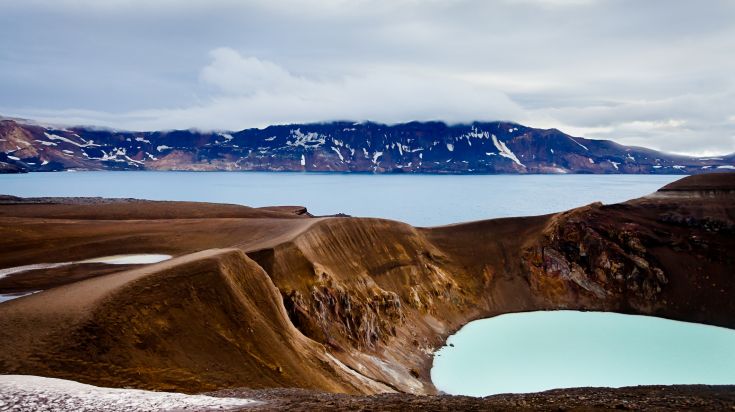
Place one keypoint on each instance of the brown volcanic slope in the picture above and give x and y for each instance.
(273, 298)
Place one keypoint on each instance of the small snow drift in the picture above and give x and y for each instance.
(4, 297)
(139, 259)
(28, 393)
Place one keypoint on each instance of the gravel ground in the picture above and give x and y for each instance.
(33, 393)
(649, 398)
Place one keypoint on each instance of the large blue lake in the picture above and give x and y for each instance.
(422, 200)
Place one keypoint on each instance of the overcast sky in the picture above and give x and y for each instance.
(654, 73)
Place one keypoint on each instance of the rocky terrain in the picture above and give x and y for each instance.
(648, 398)
(272, 297)
(417, 147)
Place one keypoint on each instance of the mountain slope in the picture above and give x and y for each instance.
(416, 147)
(151, 324)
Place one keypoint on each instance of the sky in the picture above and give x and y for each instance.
(654, 73)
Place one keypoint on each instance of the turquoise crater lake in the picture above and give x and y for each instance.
(536, 351)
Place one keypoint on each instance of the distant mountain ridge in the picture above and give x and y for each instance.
(415, 147)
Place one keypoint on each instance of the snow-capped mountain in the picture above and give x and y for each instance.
(416, 147)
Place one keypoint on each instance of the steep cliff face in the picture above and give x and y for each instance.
(659, 255)
(341, 304)
(428, 147)
(376, 292)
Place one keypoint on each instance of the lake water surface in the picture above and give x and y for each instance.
(536, 351)
(422, 200)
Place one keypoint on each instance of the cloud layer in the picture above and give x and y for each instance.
(654, 73)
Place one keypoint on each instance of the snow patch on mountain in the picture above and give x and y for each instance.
(580, 144)
(341, 158)
(376, 155)
(505, 152)
(52, 136)
(306, 140)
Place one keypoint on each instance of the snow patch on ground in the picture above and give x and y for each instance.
(4, 297)
(450, 147)
(36, 393)
(139, 259)
(615, 165)
(163, 147)
(726, 167)
(26, 268)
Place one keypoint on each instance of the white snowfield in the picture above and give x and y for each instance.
(36, 393)
(4, 297)
(140, 259)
